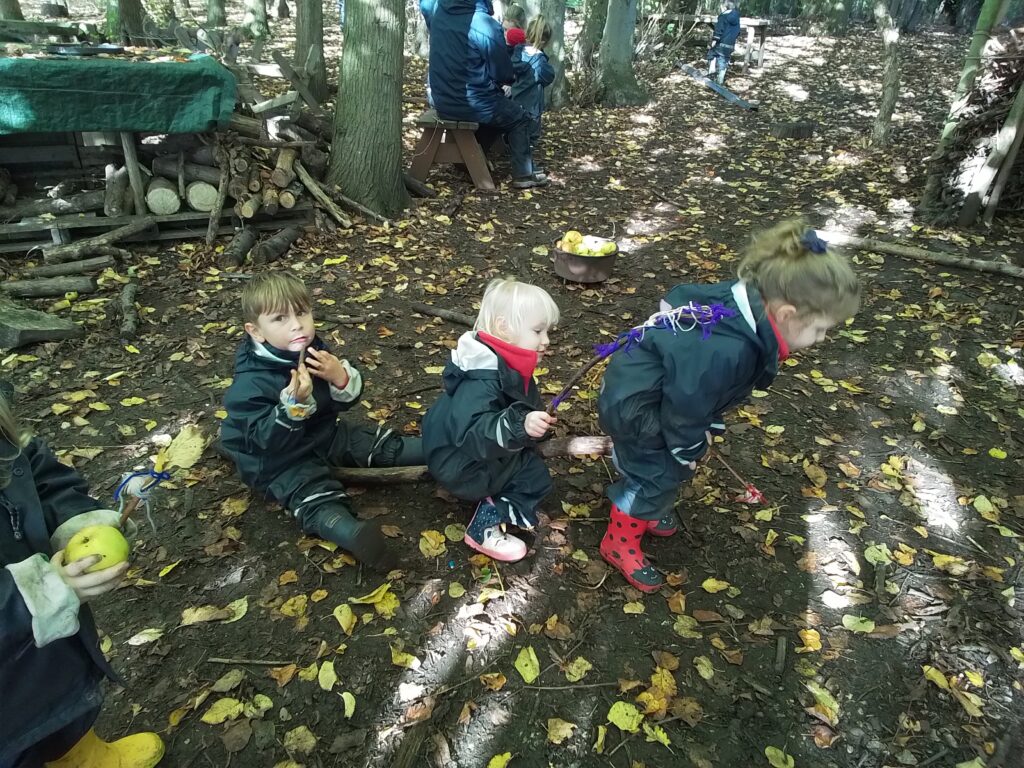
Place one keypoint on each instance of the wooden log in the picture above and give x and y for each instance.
(202, 196)
(920, 254)
(255, 180)
(49, 286)
(275, 247)
(181, 175)
(84, 201)
(276, 102)
(58, 254)
(1004, 176)
(320, 196)
(95, 264)
(444, 314)
(20, 326)
(359, 208)
(203, 155)
(238, 187)
(289, 197)
(129, 312)
(239, 247)
(11, 29)
(116, 198)
(168, 168)
(218, 204)
(162, 196)
(131, 161)
(802, 129)
(284, 173)
(589, 445)
(247, 126)
(417, 187)
(315, 124)
(271, 201)
(249, 207)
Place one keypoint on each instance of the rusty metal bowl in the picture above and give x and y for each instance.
(584, 269)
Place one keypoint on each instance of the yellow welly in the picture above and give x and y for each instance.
(140, 750)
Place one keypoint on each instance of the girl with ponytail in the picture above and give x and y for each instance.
(663, 396)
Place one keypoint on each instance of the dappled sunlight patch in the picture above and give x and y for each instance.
(795, 91)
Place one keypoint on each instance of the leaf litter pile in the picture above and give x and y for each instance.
(866, 614)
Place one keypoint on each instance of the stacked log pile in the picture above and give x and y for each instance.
(984, 168)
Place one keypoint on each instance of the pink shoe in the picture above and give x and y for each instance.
(498, 545)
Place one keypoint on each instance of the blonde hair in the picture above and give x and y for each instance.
(515, 14)
(10, 428)
(538, 32)
(791, 264)
(273, 292)
(515, 303)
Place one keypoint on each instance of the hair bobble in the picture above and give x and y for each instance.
(812, 242)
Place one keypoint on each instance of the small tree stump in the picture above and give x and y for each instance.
(201, 196)
(116, 199)
(239, 247)
(162, 196)
(20, 326)
(283, 173)
(275, 247)
(249, 207)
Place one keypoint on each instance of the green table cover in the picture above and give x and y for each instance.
(106, 94)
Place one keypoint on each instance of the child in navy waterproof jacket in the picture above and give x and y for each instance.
(51, 667)
(533, 73)
(664, 393)
(723, 40)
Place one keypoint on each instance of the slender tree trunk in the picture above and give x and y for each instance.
(556, 95)
(133, 17)
(594, 16)
(309, 44)
(618, 85)
(991, 14)
(216, 16)
(11, 10)
(366, 154)
(839, 16)
(891, 75)
(255, 19)
(113, 20)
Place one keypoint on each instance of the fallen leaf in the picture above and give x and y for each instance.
(577, 669)
(625, 716)
(633, 608)
(602, 734)
(494, 681)
(811, 641)
(714, 585)
(527, 665)
(350, 704)
(456, 590)
(656, 733)
(186, 447)
(327, 677)
(688, 710)
(677, 602)
(704, 667)
(858, 623)
(432, 543)
(300, 740)
(294, 607)
(228, 681)
(402, 659)
(146, 636)
(559, 730)
(221, 710)
(778, 759)
(499, 761)
(346, 618)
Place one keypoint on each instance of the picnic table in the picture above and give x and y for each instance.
(757, 30)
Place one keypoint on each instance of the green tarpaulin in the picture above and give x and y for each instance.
(93, 94)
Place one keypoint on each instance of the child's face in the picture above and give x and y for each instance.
(533, 335)
(801, 332)
(292, 330)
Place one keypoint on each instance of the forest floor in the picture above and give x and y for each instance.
(865, 616)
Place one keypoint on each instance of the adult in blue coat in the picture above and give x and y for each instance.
(723, 40)
(469, 64)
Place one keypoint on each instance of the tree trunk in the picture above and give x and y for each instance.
(1000, 153)
(309, 45)
(113, 20)
(891, 76)
(618, 85)
(589, 38)
(556, 95)
(839, 16)
(991, 14)
(216, 16)
(255, 19)
(11, 10)
(132, 16)
(366, 154)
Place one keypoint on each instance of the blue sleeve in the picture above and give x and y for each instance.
(494, 53)
(542, 70)
(720, 25)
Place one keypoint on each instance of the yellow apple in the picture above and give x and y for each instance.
(103, 540)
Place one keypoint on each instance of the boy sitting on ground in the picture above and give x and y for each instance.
(282, 429)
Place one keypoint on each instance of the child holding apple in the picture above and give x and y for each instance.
(51, 667)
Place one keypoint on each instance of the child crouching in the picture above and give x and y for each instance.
(480, 436)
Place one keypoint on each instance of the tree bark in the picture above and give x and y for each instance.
(239, 247)
(617, 82)
(556, 95)
(890, 77)
(11, 10)
(255, 19)
(991, 14)
(132, 16)
(49, 286)
(216, 15)
(275, 247)
(839, 16)
(366, 154)
(1002, 152)
(58, 254)
(595, 15)
(97, 264)
(83, 201)
(309, 45)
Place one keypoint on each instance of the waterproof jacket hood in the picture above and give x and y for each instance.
(533, 74)
(727, 28)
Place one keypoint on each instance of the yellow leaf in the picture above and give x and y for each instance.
(499, 761)
(327, 677)
(402, 659)
(130, 401)
(300, 740)
(602, 734)
(625, 716)
(131, 348)
(778, 759)
(677, 602)
(236, 609)
(714, 585)
(559, 730)
(350, 704)
(372, 597)
(456, 590)
(811, 641)
(221, 710)
(168, 568)
(294, 607)
(494, 681)
(633, 608)
(997, 453)
(975, 763)
(950, 564)
(826, 707)
(971, 702)
(387, 605)
(975, 677)
(203, 613)
(540, 250)
(858, 623)
(704, 667)
(59, 408)
(455, 532)
(656, 733)
(432, 543)
(527, 665)
(774, 430)
(686, 626)
(577, 669)
(186, 447)
(816, 475)
(309, 673)
(434, 370)
(1018, 655)
(99, 406)
(935, 676)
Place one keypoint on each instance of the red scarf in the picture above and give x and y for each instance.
(522, 361)
(783, 346)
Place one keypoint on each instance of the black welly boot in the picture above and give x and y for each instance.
(362, 538)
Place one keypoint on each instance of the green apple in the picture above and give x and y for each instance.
(103, 540)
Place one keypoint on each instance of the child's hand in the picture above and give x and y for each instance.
(326, 366)
(87, 585)
(538, 423)
(301, 385)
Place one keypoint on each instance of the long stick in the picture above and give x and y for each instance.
(321, 197)
(557, 401)
(444, 314)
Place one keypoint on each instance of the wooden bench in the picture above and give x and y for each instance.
(757, 31)
(449, 141)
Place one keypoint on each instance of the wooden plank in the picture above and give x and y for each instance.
(278, 101)
(721, 90)
(266, 70)
(131, 161)
(296, 80)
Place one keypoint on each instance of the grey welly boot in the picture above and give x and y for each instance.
(361, 538)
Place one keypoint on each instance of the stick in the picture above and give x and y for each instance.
(253, 662)
(218, 206)
(129, 507)
(444, 314)
(129, 315)
(58, 254)
(72, 267)
(49, 286)
(321, 197)
(417, 187)
(919, 254)
(367, 212)
(780, 655)
(557, 401)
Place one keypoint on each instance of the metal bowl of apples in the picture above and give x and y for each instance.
(585, 258)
